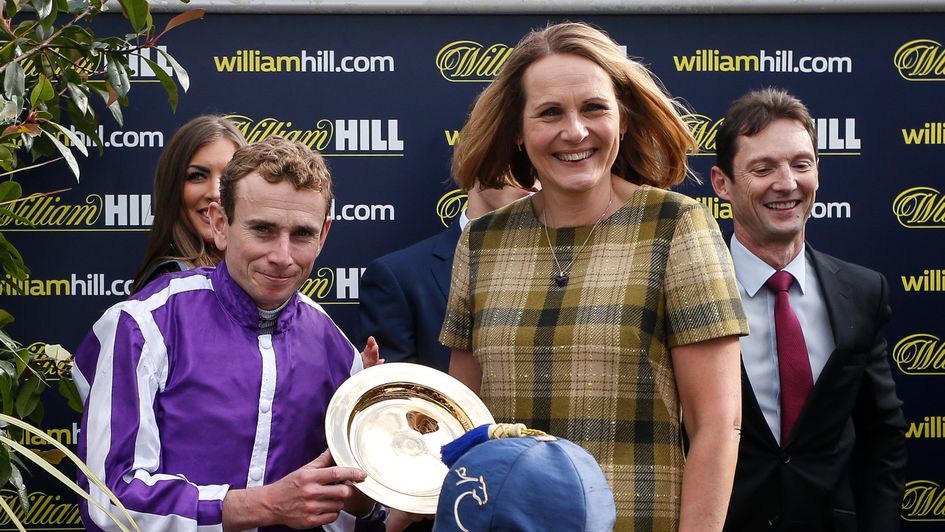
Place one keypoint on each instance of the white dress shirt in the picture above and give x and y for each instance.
(760, 348)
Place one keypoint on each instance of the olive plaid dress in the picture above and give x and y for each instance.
(590, 361)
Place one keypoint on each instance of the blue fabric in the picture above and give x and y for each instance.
(402, 301)
(525, 484)
(453, 450)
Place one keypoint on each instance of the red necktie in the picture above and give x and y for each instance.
(793, 362)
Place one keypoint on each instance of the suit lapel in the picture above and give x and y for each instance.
(837, 294)
(443, 249)
(752, 414)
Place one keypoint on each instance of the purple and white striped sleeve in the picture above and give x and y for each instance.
(120, 369)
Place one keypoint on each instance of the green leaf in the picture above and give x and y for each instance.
(7, 213)
(47, 22)
(7, 367)
(6, 392)
(117, 75)
(79, 96)
(20, 360)
(116, 113)
(86, 123)
(43, 7)
(36, 416)
(74, 140)
(6, 467)
(12, 260)
(66, 153)
(42, 146)
(14, 80)
(182, 75)
(5, 319)
(10, 191)
(137, 12)
(166, 81)
(9, 343)
(27, 398)
(42, 91)
(67, 389)
(12, 8)
(76, 6)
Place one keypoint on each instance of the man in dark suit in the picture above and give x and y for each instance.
(822, 444)
(403, 294)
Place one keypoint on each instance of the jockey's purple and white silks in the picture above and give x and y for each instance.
(184, 400)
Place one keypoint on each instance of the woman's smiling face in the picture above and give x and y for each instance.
(571, 123)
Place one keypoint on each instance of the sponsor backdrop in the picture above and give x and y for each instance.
(383, 98)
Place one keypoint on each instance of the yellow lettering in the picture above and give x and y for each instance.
(450, 205)
(920, 354)
(469, 61)
(920, 207)
(920, 60)
(923, 500)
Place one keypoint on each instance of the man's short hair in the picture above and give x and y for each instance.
(275, 159)
(753, 112)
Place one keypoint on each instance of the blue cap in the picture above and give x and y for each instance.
(527, 484)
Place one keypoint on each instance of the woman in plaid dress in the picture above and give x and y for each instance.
(604, 308)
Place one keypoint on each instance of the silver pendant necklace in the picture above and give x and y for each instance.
(564, 274)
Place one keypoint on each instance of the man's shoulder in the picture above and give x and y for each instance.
(407, 254)
(316, 315)
(836, 265)
(174, 283)
(405, 260)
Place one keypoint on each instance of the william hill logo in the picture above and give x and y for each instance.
(929, 281)
(920, 60)
(139, 69)
(45, 512)
(920, 354)
(920, 208)
(924, 500)
(929, 427)
(835, 136)
(330, 137)
(450, 205)
(929, 133)
(704, 129)
(469, 61)
(339, 284)
(51, 212)
(50, 368)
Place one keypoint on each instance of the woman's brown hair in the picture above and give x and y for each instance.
(170, 237)
(652, 152)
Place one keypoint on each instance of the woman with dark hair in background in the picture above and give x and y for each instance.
(187, 180)
(604, 308)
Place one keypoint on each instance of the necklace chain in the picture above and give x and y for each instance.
(563, 275)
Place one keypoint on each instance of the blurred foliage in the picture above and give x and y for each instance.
(57, 73)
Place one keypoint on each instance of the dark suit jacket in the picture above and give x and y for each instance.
(403, 300)
(843, 466)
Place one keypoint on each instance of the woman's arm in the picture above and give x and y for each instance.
(708, 377)
(465, 368)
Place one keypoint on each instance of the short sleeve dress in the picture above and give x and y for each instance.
(590, 361)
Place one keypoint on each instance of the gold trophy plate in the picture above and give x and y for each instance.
(391, 420)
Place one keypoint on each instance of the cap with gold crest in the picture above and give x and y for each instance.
(509, 477)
